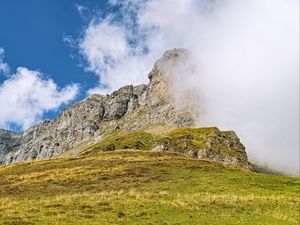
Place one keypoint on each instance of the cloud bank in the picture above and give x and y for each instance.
(245, 58)
(26, 95)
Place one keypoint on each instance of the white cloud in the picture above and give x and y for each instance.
(109, 54)
(4, 68)
(25, 96)
(104, 45)
(247, 59)
(82, 10)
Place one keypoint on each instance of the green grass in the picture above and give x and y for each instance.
(140, 139)
(180, 136)
(142, 187)
(180, 140)
(117, 140)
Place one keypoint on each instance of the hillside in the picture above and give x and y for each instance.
(142, 187)
(135, 157)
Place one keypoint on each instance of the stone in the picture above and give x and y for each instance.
(92, 119)
(206, 144)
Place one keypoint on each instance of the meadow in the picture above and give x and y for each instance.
(143, 187)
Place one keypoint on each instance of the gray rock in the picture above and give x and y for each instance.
(8, 142)
(219, 146)
(90, 120)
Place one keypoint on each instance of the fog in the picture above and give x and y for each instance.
(246, 76)
(243, 72)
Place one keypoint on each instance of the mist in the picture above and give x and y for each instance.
(242, 75)
(246, 77)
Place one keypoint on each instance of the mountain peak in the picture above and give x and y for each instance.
(90, 120)
(126, 114)
(169, 59)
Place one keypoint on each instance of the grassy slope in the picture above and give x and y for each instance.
(141, 187)
(146, 139)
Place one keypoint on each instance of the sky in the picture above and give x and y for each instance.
(244, 60)
(32, 36)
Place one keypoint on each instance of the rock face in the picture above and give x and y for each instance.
(8, 142)
(129, 108)
(101, 119)
(205, 143)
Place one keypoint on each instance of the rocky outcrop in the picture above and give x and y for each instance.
(90, 120)
(205, 143)
(119, 121)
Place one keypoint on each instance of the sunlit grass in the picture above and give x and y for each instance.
(138, 187)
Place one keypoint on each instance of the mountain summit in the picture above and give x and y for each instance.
(143, 114)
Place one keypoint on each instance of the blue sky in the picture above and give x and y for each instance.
(32, 35)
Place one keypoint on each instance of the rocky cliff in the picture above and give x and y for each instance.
(128, 109)
(8, 142)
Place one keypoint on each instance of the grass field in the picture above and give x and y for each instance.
(142, 187)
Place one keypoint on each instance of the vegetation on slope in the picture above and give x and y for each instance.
(177, 139)
(130, 140)
(204, 143)
(198, 138)
(142, 187)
